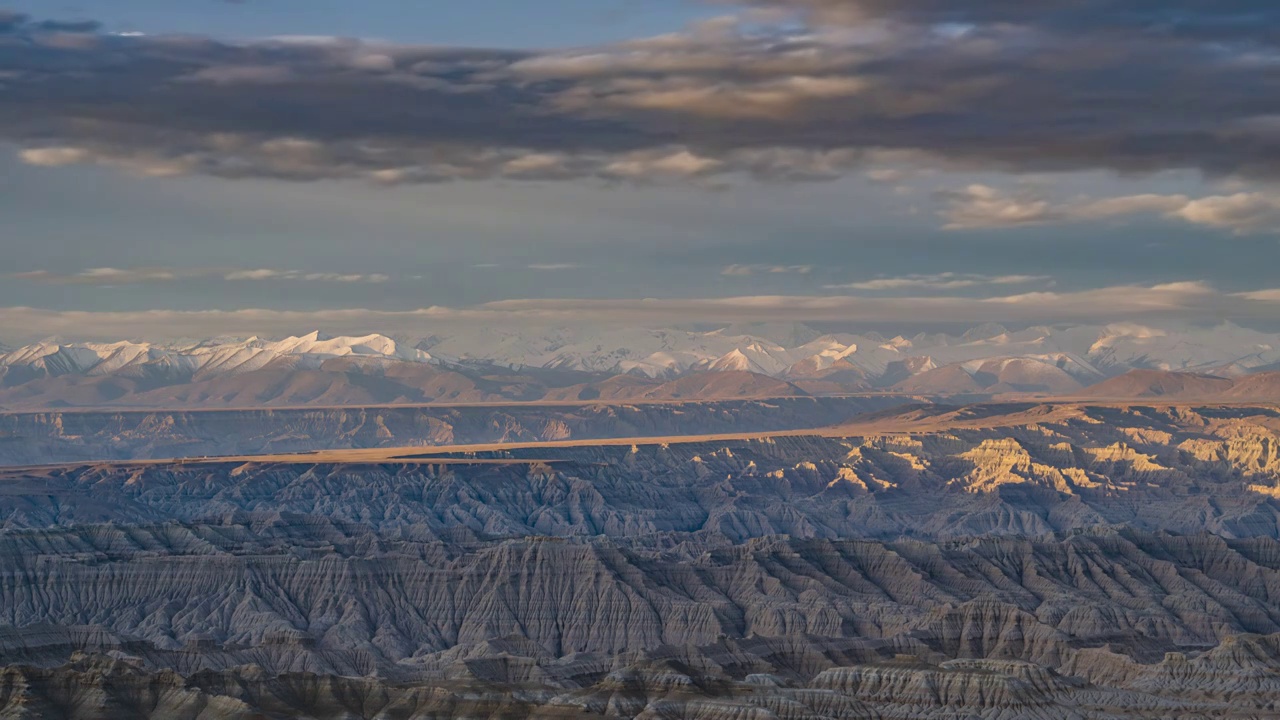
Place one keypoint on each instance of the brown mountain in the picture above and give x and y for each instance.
(952, 379)
(1263, 387)
(1161, 384)
(342, 382)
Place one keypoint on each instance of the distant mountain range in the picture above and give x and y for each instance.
(493, 364)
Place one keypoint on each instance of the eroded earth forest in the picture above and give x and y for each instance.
(1025, 560)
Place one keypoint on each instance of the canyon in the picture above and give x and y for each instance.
(1002, 560)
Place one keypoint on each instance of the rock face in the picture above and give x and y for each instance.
(1099, 562)
(239, 616)
(1172, 469)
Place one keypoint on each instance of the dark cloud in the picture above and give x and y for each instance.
(11, 21)
(1143, 86)
(64, 26)
(1201, 19)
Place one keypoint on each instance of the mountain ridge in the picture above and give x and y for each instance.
(496, 364)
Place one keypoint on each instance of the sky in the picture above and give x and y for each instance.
(277, 166)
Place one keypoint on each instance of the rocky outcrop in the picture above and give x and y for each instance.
(1089, 562)
(292, 619)
(308, 596)
(1187, 473)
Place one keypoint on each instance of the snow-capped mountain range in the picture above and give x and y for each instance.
(990, 358)
(54, 358)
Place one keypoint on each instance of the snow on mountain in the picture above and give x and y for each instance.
(52, 359)
(1136, 346)
(651, 352)
(1037, 356)
(1046, 365)
(737, 361)
(369, 345)
(820, 355)
(1045, 374)
(784, 334)
(1086, 353)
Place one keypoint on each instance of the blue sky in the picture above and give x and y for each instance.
(487, 23)
(573, 159)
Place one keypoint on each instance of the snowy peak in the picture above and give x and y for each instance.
(50, 359)
(1044, 358)
(368, 345)
(736, 361)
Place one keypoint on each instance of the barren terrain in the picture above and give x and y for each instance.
(997, 561)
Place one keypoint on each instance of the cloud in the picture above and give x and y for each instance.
(347, 277)
(941, 281)
(1223, 20)
(267, 274)
(548, 267)
(1270, 296)
(749, 270)
(1183, 301)
(990, 84)
(242, 74)
(102, 276)
(888, 176)
(1242, 212)
(136, 276)
(983, 207)
(259, 274)
(55, 156)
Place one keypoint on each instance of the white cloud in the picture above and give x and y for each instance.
(109, 274)
(985, 207)
(678, 164)
(547, 267)
(982, 206)
(346, 278)
(55, 156)
(1272, 296)
(1128, 205)
(259, 274)
(102, 276)
(1182, 301)
(776, 98)
(269, 274)
(134, 276)
(941, 281)
(888, 176)
(749, 270)
(230, 155)
(1242, 212)
(373, 62)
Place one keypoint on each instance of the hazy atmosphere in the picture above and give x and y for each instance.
(280, 166)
